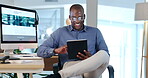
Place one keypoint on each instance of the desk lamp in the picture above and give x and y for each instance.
(141, 14)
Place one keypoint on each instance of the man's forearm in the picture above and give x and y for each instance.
(45, 52)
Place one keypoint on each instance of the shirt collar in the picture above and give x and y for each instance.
(72, 29)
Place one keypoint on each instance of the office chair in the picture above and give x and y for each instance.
(58, 66)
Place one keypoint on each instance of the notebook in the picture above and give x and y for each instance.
(75, 46)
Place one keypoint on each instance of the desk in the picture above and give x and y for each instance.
(49, 63)
(22, 66)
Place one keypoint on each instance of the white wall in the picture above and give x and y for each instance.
(8, 2)
(42, 3)
(117, 3)
(92, 11)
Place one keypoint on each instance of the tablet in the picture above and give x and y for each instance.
(75, 46)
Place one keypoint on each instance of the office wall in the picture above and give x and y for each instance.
(117, 3)
(8, 2)
(27, 3)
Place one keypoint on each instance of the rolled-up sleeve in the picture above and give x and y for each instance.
(46, 49)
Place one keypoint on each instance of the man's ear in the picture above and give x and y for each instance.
(84, 16)
(69, 17)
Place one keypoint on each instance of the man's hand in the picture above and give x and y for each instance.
(82, 56)
(61, 50)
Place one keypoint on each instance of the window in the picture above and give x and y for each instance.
(123, 37)
(49, 20)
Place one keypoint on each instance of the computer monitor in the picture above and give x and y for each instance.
(18, 29)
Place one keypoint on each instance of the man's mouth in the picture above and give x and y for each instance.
(77, 25)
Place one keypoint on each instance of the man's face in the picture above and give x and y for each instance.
(77, 18)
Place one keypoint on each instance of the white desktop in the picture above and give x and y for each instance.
(18, 28)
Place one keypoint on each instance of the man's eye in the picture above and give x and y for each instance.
(75, 18)
(79, 18)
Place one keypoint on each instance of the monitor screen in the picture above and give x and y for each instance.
(18, 28)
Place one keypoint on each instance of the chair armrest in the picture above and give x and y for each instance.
(55, 68)
(111, 71)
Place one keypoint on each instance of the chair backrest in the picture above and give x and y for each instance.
(59, 63)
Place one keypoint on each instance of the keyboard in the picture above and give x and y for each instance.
(14, 58)
(23, 57)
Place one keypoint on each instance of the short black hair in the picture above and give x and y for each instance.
(76, 6)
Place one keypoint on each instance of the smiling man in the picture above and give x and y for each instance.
(77, 17)
(92, 63)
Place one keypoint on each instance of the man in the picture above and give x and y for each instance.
(95, 60)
